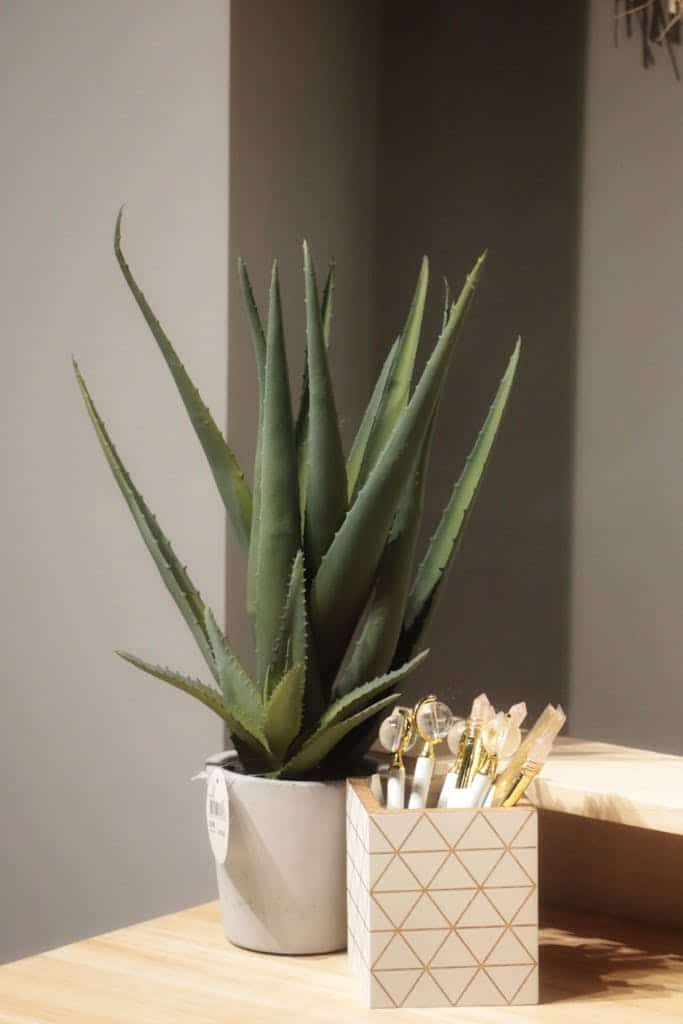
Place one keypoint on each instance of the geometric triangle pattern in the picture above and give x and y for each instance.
(442, 903)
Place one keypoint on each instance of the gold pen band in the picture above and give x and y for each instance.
(508, 794)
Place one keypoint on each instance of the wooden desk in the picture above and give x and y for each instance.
(179, 970)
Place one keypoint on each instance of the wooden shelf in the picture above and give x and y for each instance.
(179, 970)
(610, 783)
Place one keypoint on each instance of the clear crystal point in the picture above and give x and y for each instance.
(433, 720)
(518, 713)
(392, 731)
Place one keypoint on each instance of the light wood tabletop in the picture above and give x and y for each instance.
(179, 969)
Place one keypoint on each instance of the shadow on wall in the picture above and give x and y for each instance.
(480, 147)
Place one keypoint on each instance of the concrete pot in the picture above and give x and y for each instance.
(282, 887)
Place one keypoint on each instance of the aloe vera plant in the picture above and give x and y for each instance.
(337, 597)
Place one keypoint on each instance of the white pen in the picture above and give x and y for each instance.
(450, 781)
(396, 734)
(433, 719)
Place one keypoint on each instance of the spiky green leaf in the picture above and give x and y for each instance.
(394, 397)
(326, 482)
(172, 571)
(223, 463)
(365, 693)
(207, 695)
(374, 650)
(355, 459)
(284, 710)
(278, 529)
(317, 746)
(444, 543)
(302, 420)
(346, 574)
(446, 303)
(291, 643)
(239, 689)
(258, 337)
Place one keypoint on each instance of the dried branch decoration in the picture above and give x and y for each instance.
(659, 23)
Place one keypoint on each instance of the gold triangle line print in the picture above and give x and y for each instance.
(506, 853)
(481, 959)
(406, 970)
(411, 866)
(533, 968)
(357, 909)
(493, 905)
(377, 903)
(526, 944)
(395, 848)
(467, 986)
(435, 904)
(351, 827)
(450, 935)
(487, 960)
(515, 853)
(510, 842)
(411, 938)
(436, 982)
(493, 982)
(387, 994)
(466, 853)
(510, 999)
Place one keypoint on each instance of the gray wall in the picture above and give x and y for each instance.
(102, 103)
(303, 141)
(479, 146)
(627, 571)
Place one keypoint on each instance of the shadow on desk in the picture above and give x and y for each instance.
(618, 957)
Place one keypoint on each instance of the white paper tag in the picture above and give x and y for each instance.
(218, 813)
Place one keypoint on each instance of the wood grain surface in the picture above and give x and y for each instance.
(179, 969)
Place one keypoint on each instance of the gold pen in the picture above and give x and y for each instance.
(507, 792)
(549, 723)
(471, 746)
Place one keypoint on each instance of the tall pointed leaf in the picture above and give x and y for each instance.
(278, 529)
(394, 397)
(317, 746)
(292, 641)
(364, 694)
(374, 651)
(203, 693)
(326, 483)
(344, 580)
(258, 337)
(446, 303)
(355, 459)
(239, 689)
(284, 711)
(259, 343)
(444, 543)
(302, 420)
(173, 573)
(223, 463)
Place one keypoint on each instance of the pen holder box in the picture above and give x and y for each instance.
(442, 903)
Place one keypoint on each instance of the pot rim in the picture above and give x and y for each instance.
(230, 756)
